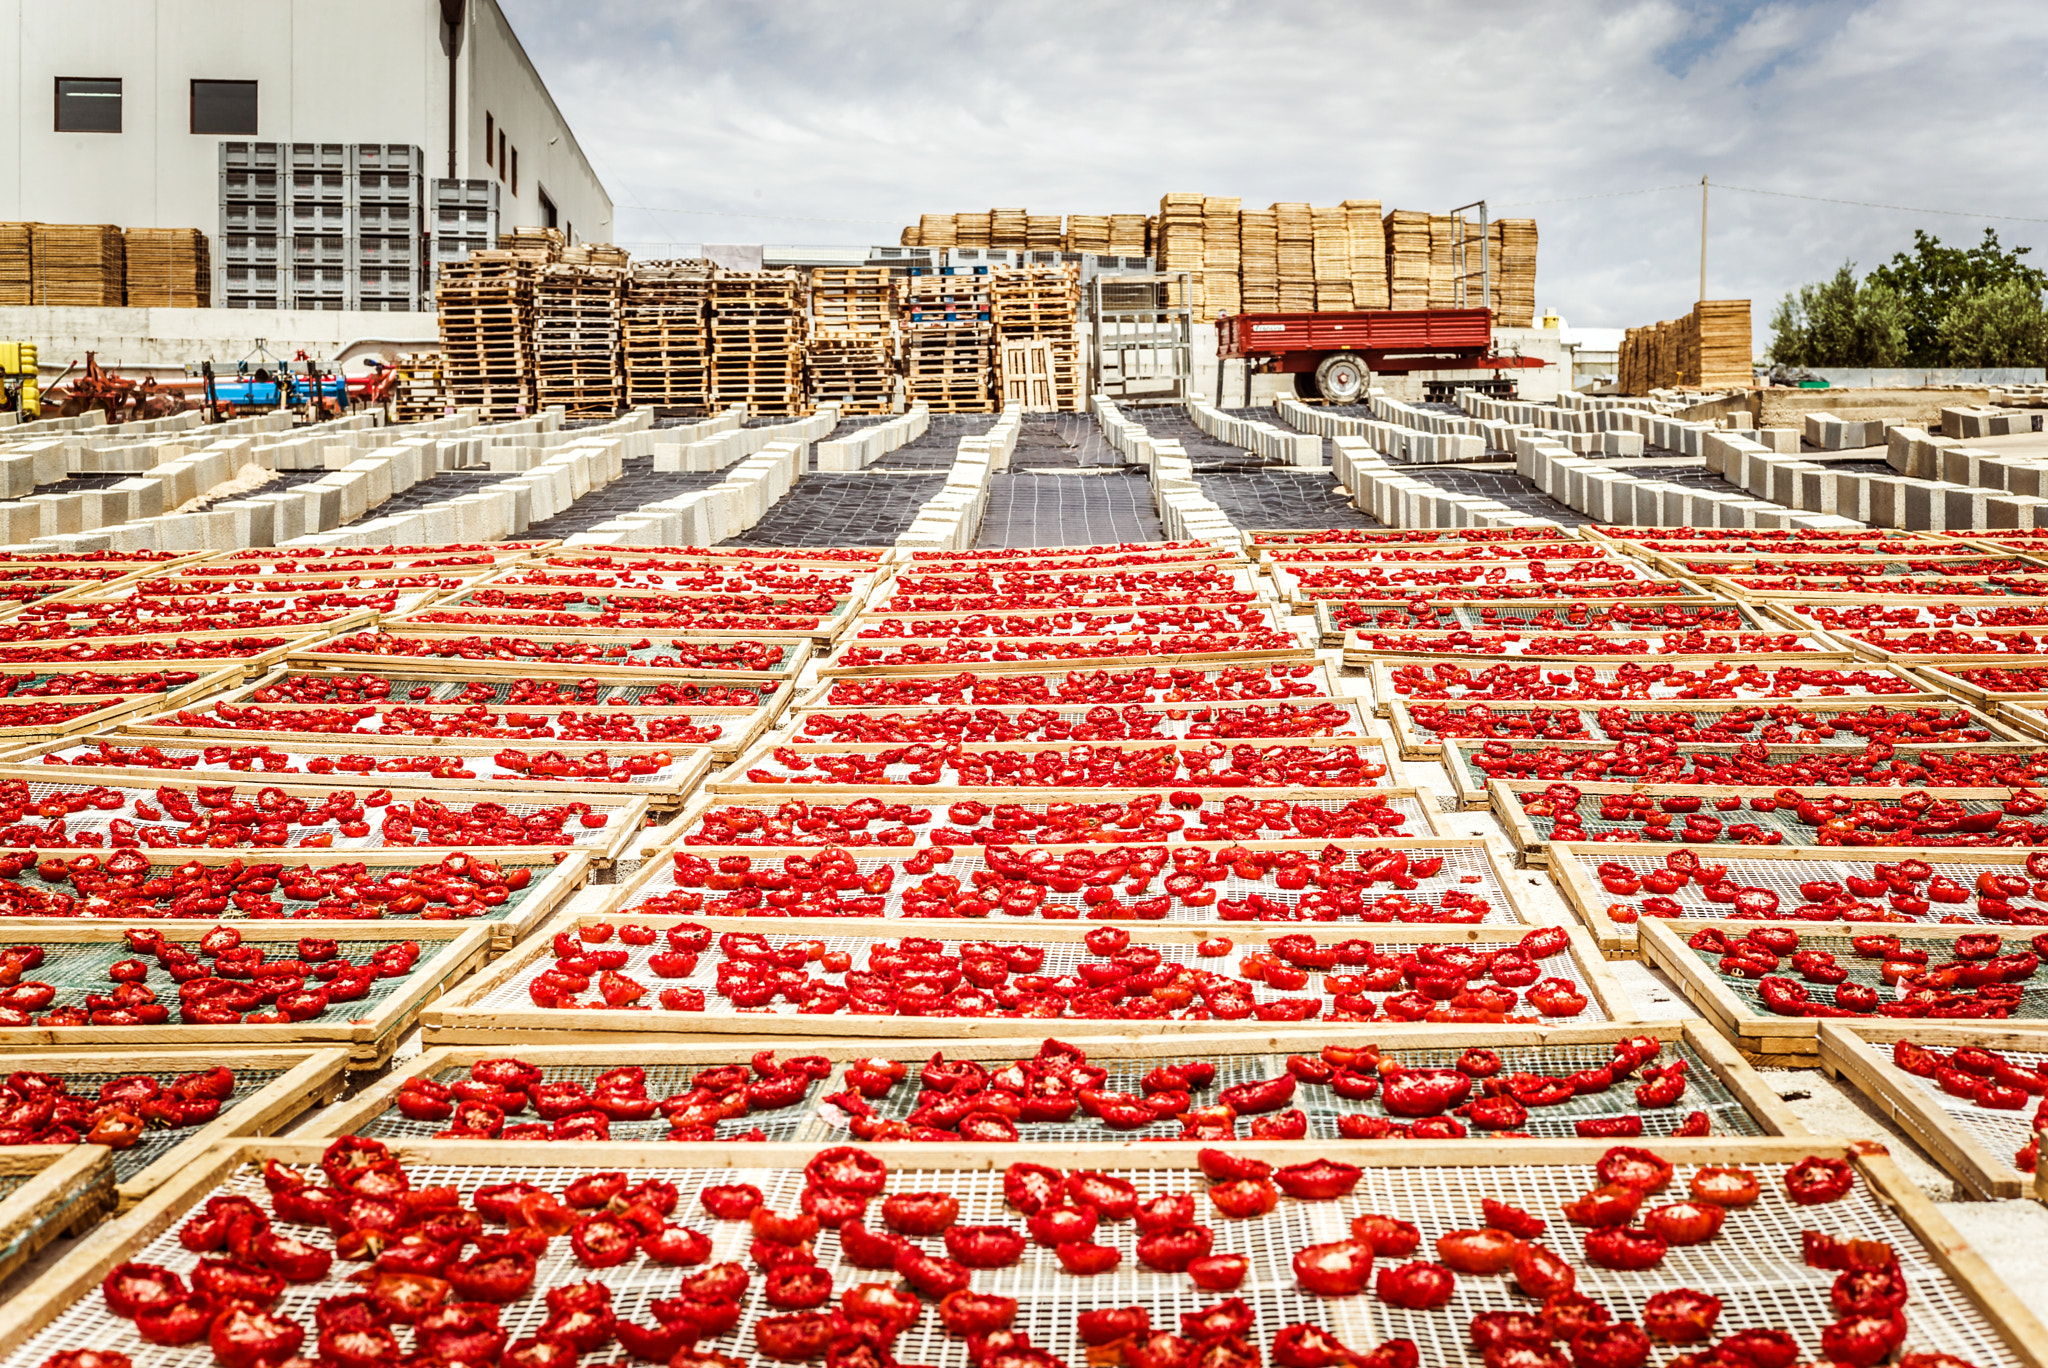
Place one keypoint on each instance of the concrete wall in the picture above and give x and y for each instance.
(1913, 407)
(365, 71)
(161, 342)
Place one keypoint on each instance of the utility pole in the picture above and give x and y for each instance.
(1703, 238)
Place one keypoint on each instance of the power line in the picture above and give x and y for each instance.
(1867, 204)
(728, 213)
(1605, 194)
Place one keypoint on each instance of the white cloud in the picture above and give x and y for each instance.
(880, 111)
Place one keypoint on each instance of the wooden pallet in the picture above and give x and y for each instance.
(167, 268)
(1973, 1145)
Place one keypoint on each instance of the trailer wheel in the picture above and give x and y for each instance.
(1341, 378)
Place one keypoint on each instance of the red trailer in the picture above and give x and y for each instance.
(1333, 354)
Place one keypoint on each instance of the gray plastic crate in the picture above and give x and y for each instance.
(319, 249)
(398, 250)
(251, 186)
(319, 279)
(464, 221)
(318, 216)
(238, 278)
(386, 280)
(400, 220)
(319, 301)
(318, 157)
(237, 217)
(327, 187)
(447, 247)
(387, 187)
(252, 156)
(482, 194)
(258, 300)
(250, 249)
(392, 303)
(403, 158)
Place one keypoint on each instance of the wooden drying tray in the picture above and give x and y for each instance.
(1419, 743)
(740, 727)
(1302, 600)
(1535, 848)
(1470, 785)
(305, 1078)
(1976, 695)
(501, 554)
(1281, 655)
(1331, 634)
(293, 639)
(1961, 1305)
(1417, 803)
(830, 625)
(469, 1016)
(60, 1190)
(557, 874)
(1244, 579)
(1629, 536)
(194, 581)
(875, 617)
(1357, 654)
(952, 562)
(1765, 1038)
(606, 845)
(374, 1113)
(449, 951)
(795, 651)
(1835, 589)
(717, 557)
(1574, 864)
(859, 581)
(1914, 659)
(1975, 1156)
(1318, 673)
(209, 682)
(1683, 562)
(1398, 536)
(1463, 855)
(1177, 714)
(690, 764)
(1386, 695)
(1344, 553)
(734, 780)
(57, 591)
(343, 620)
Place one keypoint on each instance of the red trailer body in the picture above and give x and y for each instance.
(1388, 341)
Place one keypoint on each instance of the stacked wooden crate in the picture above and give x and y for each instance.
(15, 255)
(973, 230)
(1332, 256)
(167, 268)
(662, 335)
(1008, 229)
(1129, 235)
(1179, 240)
(946, 366)
(1514, 274)
(1259, 260)
(576, 338)
(1443, 282)
(1038, 353)
(76, 264)
(1294, 226)
(486, 315)
(1722, 344)
(1042, 233)
(596, 254)
(1088, 233)
(545, 243)
(1220, 255)
(757, 336)
(1707, 349)
(418, 394)
(1407, 259)
(1368, 237)
(850, 358)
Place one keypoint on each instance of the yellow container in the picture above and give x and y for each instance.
(17, 358)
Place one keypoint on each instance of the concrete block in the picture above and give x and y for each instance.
(1884, 500)
(324, 513)
(1784, 441)
(211, 470)
(1963, 509)
(61, 513)
(2027, 478)
(376, 474)
(2014, 511)
(1924, 507)
(180, 481)
(253, 521)
(20, 523)
(354, 489)
(17, 475)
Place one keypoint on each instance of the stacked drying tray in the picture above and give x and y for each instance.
(1188, 758)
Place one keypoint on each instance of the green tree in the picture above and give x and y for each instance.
(1999, 325)
(1932, 279)
(1839, 322)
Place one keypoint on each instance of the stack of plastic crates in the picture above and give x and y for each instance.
(386, 181)
(463, 219)
(317, 211)
(251, 268)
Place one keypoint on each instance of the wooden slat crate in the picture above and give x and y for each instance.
(736, 779)
(1419, 742)
(448, 953)
(496, 1008)
(1736, 1100)
(1470, 866)
(47, 1191)
(1959, 1306)
(272, 1087)
(1973, 1144)
(1574, 868)
(1672, 685)
(1781, 1041)
(945, 689)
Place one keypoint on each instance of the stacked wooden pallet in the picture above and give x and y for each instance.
(1722, 343)
(1368, 253)
(1179, 239)
(1332, 257)
(576, 339)
(1707, 349)
(1042, 233)
(1220, 259)
(1443, 282)
(168, 268)
(854, 371)
(1294, 225)
(418, 394)
(1008, 229)
(1407, 233)
(853, 300)
(77, 264)
(1038, 354)
(946, 366)
(15, 256)
(545, 243)
(1259, 260)
(1129, 235)
(939, 301)
(973, 230)
(662, 335)
(596, 254)
(1514, 276)
(486, 316)
(757, 336)
(1088, 233)
(933, 230)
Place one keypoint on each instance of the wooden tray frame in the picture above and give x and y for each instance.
(1384, 693)
(448, 952)
(733, 779)
(1244, 579)
(1976, 695)
(1765, 1038)
(453, 1020)
(307, 1078)
(1825, 653)
(1266, 538)
(1322, 674)
(72, 1191)
(693, 763)
(796, 653)
(1735, 1074)
(1829, 589)
(1274, 656)
(1354, 706)
(1860, 1053)
(296, 639)
(828, 628)
(78, 1275)
(1329, 635)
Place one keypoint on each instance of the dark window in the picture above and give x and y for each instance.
(224, 107)
(501, 154)
(548, 218)
(515, 173)
(490, 136)
(86, 105)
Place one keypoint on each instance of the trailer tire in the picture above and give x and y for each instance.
(1341, 378)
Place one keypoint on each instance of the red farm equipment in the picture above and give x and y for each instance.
(1333, 355)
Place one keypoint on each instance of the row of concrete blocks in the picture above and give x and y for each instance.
(1607, 495)
(1300, 449)
(719, 450)
(1127, 435)
(1397, 500)
(1826, 432)
(1917, 455)
(1421, 419)
(1973, 421)
(862, 449)
(1185, 512)
(706, 517)
(1569, 414)
(951, 518)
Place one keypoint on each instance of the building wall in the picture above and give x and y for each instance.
(364, 71)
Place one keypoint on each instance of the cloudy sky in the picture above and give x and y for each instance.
(827, 122)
